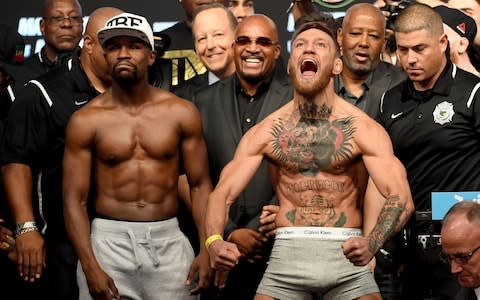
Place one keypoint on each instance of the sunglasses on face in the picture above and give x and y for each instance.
(260, 41)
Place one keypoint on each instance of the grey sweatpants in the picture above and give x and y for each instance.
(146, 260)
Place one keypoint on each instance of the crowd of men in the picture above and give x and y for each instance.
(208, 167)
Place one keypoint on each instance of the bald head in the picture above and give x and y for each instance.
(468, 208)
(92, 58)
(419, 16)
(256, 38)
(259, 20)
(365, 9)
(98, 18)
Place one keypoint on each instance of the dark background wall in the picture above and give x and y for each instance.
(25, 14)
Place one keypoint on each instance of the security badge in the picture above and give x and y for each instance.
(443, 113)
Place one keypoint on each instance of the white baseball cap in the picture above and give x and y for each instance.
(126, 24)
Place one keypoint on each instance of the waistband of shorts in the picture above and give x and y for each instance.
(157, 229)
(321, 233)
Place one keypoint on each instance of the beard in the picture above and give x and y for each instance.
(357, 68)
(310, 87)
(125, 78)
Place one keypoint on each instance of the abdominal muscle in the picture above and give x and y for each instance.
(322, 200)
(137, 191)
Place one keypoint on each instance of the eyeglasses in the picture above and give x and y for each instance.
(459, 258)
(58, 20)
(262, 41)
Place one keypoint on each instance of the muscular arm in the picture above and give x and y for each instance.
(77, 161)
(194, 189)
(195, 160)
(390, 178)
(76, 183)
(233, 179)
(372, 205)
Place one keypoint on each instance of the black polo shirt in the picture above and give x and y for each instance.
(436, 133)
(249, 105)
(34, 133)
(38, 65)
(360, 102)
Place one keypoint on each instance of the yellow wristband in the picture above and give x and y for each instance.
(212, 238)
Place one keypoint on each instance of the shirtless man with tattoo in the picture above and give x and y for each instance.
(321, 151)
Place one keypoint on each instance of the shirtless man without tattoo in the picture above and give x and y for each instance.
(131, 139)
(321, 151)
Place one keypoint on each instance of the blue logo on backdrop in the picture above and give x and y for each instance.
(442, 201)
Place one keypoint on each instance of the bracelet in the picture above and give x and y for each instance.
(28, 224)
(212, 238)
(25, 230)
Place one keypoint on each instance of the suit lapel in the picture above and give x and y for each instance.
(381, 79)
(277, 95)
(473, 296)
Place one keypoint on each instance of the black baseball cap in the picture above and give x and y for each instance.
(461, 23)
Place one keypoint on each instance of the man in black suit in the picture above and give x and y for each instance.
(228, 109)
(460, 238)
(363, 81)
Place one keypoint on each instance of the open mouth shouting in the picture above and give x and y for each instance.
(308, 68)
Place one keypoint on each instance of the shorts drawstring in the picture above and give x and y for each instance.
(135, 249)
(156, 262)
(144, 242)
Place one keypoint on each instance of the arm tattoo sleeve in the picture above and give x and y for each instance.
(389, 221)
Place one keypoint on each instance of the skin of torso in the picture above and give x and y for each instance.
(136, 158)
(316, 167)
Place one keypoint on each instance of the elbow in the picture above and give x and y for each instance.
(409, 208)
(218, 198)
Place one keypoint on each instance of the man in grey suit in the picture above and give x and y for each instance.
(363, 81)
(364, 77)
(229, 108)
(460, 238)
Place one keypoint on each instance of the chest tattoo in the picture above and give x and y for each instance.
(313, 142)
